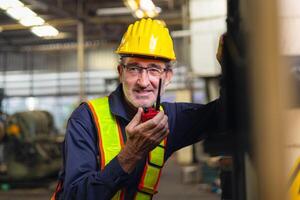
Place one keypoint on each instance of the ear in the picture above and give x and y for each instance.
(120, 72)
(169, 75)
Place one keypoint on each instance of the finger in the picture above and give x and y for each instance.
(136, 119)
(162, 135)
(159, 116)
(152, 123)
(163, 123)
(156, 133)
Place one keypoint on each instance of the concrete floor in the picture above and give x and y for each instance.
(170, 188)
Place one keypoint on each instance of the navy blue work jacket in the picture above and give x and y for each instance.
(82, 179)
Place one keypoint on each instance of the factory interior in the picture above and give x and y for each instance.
(57, 55)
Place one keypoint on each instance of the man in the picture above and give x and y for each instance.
(109, 151)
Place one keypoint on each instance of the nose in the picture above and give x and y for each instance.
(143, 79)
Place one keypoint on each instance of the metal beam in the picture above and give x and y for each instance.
(267, 75)
(80, 52)
(51, 7)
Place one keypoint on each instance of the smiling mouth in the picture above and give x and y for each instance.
(143, 92)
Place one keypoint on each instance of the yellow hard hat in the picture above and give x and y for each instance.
(147, 37)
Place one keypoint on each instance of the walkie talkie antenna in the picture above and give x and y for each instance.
(158, 96)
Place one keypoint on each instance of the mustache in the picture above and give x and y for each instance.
(138, 88)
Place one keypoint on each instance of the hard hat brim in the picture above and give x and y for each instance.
(150, 56)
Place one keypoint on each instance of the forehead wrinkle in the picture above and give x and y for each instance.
(132, 63)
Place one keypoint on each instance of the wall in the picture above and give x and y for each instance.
(290, 26)
(207, 23)
(58, 60)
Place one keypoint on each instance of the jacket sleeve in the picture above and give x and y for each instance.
(190, 123)
(83, 179)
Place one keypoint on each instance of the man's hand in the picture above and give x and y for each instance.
(220, 50)
(142, 138)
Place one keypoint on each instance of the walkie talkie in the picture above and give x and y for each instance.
(149, 113)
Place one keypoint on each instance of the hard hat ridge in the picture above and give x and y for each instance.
(147, 37)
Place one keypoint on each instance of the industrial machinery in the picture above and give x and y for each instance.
(30, 148)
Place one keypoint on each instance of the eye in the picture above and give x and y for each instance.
(133, 69)
(153, 65)
(154, 71)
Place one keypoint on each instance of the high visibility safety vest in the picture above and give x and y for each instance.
(110, 143)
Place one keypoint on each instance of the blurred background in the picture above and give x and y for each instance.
(56, 53)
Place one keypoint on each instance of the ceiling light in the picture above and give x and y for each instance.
(32, 21)
(143, 8)
(147, 5)
(151, 13)
(44, 31)
(59, 36)
(26, 17)
(132, 4)
(139, 14)
(20, 12)
(157, 9)
(5, 4)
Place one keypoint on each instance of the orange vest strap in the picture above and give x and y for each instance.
(58, 188)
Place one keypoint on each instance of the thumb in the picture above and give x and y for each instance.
(137, 118)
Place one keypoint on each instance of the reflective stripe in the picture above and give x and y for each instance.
(151, 174)
(111, 142)
(110, 139)
(152, 171)
(155, 157)
(118, 195)
(58, 188)
(109, 134)
(142, 196)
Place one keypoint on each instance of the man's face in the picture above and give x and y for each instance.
(140, 86)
